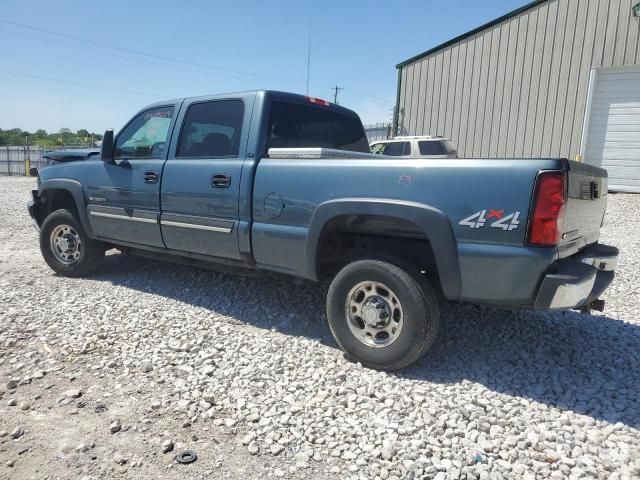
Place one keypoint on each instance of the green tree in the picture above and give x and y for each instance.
(17, 137)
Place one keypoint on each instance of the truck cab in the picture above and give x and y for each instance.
(180, 174)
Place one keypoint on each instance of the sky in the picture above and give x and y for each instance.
(68, 64)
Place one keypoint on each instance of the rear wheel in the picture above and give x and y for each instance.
(66, 247)
(380, 315)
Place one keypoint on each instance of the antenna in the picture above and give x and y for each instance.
(308, 58)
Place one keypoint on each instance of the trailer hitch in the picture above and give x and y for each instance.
(597, 305)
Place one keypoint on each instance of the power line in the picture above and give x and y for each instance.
(80, 84)
(114, 55)
(146, 54)
(227, 71)
(382, 101)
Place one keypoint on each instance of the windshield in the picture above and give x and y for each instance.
(377, 148)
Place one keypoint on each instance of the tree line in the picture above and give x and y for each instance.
(63, 138)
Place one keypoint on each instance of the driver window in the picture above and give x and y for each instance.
(146, 135)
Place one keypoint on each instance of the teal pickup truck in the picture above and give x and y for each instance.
(285, 183)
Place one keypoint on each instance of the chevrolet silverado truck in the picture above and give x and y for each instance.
(285, 183)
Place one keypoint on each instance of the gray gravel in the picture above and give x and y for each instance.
(244, 371)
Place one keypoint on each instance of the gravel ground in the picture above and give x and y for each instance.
(101, 376)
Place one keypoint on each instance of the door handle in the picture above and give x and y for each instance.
(151, 176)
(221, 180)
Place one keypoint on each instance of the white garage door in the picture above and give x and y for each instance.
(613, 136)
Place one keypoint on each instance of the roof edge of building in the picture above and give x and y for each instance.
(470, 33)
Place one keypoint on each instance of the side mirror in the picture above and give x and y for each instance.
(107, 147)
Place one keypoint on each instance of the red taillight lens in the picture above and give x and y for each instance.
(318, 101)
(545, 224)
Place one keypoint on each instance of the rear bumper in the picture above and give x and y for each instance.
(578, 280)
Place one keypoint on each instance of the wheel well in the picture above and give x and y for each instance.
(56, 199)
(349, 237)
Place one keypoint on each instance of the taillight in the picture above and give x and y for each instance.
(550, 199)
(318, 101)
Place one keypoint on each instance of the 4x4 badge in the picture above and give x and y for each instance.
(479, 219)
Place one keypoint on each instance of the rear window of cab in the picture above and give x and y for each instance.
(293, 125)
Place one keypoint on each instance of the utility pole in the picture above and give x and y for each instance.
(336, 90)
(393, 125)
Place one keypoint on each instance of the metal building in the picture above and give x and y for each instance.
(555, 78)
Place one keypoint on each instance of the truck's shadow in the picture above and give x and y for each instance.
(583, 363)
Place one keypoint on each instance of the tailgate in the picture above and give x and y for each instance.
(586, 204)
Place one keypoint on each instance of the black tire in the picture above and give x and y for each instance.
(420, 314)
(90, 251)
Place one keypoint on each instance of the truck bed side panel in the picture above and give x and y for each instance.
(492, 189)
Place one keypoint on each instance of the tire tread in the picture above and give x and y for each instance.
(94, 250)
(415, 288)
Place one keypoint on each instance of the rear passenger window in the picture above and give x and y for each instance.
(433, 147)
(212, 129)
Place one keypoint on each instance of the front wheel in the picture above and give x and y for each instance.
(66, 247)
(380, 315)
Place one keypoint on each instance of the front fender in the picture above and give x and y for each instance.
(433, 222)
(74, 187)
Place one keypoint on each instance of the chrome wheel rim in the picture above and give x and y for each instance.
(374, 314)
(65, 244)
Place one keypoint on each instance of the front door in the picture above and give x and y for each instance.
(123, 197)
(201, 179)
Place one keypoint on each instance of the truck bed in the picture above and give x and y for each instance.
(303, 179)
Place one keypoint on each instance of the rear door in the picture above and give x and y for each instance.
(123, 198)
(201, 178)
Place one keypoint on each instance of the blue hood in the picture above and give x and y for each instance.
(70, 155)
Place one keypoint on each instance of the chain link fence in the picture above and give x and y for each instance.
(378, 131)
(16, 160)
